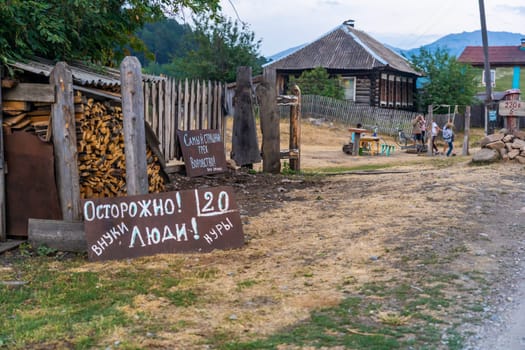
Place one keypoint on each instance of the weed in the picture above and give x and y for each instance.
(44, 250)
(245, 284)
(393, 318)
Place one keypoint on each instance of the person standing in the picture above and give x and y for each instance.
(448, 136)
(416, 131)
(423, 126)
(434, 132)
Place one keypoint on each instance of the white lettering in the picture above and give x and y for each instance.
(89, 211)
(168, 234)
(96, 250)
(153, 235)
(145, 212)
(158, 209)
(134, 235)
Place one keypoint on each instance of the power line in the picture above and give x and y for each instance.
(235, 10)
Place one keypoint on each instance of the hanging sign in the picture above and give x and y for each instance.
(197, 220)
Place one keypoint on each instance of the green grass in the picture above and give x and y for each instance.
(80, 307)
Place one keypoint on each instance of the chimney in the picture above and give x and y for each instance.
(522, 47)
(350, 23)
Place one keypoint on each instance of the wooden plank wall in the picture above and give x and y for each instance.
(185, 105)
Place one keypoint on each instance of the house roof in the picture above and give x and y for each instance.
(498, 55)
(343, 48)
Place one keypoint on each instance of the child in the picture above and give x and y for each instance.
(448, 136)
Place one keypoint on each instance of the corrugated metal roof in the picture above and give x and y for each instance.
(498, 55)
(102, 77)
(344, 48)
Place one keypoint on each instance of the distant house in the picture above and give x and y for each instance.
(506, 64)
(370, 73)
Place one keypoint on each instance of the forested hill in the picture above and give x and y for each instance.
(165, 40)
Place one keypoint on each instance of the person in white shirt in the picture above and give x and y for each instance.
(434, 133)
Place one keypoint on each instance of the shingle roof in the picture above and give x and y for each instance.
(498, 55)
(343, 48)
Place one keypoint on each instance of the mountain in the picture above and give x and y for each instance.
(456, 43)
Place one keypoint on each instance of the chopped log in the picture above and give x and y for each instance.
(61, 235)
(16, 106)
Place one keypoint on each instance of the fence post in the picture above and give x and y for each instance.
(65, 142)
(295, 130)
(429, 139)
(134, 129)
(466, 132)
(245, 150)
(267, 96)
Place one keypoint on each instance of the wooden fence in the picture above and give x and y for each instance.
(388, 121)
(185, 105)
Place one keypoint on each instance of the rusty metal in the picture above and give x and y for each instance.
(30, 182)
(199, 220)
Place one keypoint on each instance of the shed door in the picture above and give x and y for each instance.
(30, 182)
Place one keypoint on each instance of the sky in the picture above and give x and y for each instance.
(405, 24)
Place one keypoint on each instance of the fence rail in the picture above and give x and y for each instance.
(185, 105)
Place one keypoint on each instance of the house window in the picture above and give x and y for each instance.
(384, 93)
(492, 78)
(348, 84)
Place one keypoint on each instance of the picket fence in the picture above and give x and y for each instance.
(171, 104)
(387, 121)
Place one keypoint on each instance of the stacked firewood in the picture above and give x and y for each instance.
(100, 143)
(101, 156)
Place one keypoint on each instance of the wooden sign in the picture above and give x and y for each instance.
(203, 152)
(512, 108)
(197, 220)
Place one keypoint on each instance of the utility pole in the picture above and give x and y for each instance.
(488, 82)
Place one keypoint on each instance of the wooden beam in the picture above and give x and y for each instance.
(65, 142)
(30, 92)
(245, 148)
(57, 234)
(134, 126)
(295, 130)
(271, 138)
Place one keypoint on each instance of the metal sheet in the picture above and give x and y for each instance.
(30, 182)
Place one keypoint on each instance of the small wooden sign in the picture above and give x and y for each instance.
(203, 152)
(197, 220)
(512, 108)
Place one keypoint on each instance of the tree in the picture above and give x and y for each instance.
(164, 40)
(96, 31)
(216, 48)
(446, 81)
(318, 82)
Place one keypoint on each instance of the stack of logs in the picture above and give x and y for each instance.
(100, 143)
(506, 146)
(101, 156)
